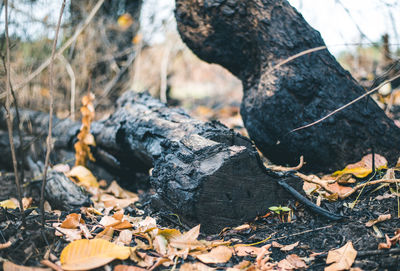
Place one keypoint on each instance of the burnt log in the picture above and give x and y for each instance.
(202, 171)
(252, 39)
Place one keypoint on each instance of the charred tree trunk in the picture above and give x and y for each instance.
(204, 172)
(250, 38)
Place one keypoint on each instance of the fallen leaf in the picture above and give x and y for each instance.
(169, 233)
(242, 251)
(9, 204)
(124, 238)
(195, 267)
(107, 221)
(292, 262)
(84, 176)
(243, 265)
(5, 245)
(72, 221)
(26, 203)
(242, 227)
(220, 254)
(119, 192)
(342, 258)
(285, 247)
(363, 168)
(340, 190)
(9, 266)
(187, 240)
(381, 218)
(69, 234)
(385, 245)
(89, 254)
(121, 267)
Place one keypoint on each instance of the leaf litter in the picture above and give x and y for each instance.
(118, 233)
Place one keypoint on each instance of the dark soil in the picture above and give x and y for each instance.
(314, 233)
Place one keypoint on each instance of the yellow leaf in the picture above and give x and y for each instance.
(85, 177)
(125, 21)
(342, 258)
(220, 254)
(169, 233)
(362, 168)
(89, 254)
(9, 204)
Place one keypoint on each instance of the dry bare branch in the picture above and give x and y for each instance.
(9, 121)
(48, 141)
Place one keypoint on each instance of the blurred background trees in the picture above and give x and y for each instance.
(133, 44)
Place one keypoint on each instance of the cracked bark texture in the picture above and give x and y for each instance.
(249, 38)
(202, 171)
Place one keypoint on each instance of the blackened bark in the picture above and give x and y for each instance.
(204, 172)
(249, 38)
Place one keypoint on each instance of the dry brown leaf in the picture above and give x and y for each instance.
(187, 240)
(242, 251)
(69, 234)
(106, 234)
(26, 203)
(5, 245)
(285, 247)
(72, 221)
(243, 265)
(220, 254)
(85, 231)
(363, 168)
(195, 267)
(124, 238)
(340, 190)
(342, 258)
(119, 192)
(121, 267)
(381, 218)
(385, 245)
(292, 262)
(122, 225)
(88, 254)
(9, 266)
(242, 227)
(108, 221)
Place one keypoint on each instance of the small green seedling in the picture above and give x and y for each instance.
(280, 211)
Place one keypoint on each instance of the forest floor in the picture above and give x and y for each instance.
(298, 239)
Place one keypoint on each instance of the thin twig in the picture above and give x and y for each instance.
(62, 49)
(285, 169)
(346, 105)
(302, 53)
(9, 122)
(48, 141)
